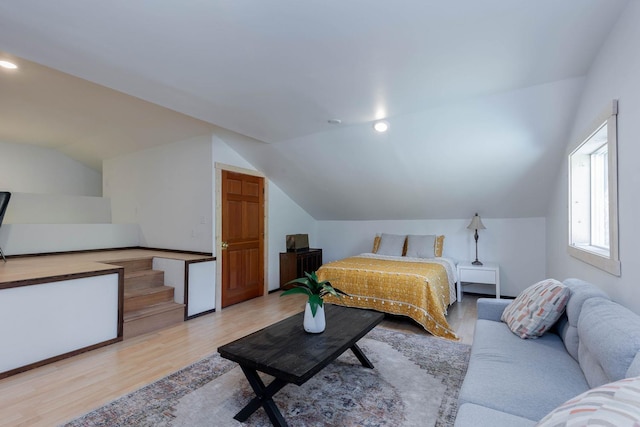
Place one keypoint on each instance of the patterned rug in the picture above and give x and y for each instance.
(415, 383)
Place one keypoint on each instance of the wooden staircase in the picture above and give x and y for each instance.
(148, 303)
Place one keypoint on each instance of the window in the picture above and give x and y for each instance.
(593, 195)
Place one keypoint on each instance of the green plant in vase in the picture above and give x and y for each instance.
(314, 320)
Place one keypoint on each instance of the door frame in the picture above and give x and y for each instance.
(219, 167)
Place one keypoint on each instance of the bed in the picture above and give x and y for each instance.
(419, 287)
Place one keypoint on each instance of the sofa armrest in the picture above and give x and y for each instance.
(492, 308)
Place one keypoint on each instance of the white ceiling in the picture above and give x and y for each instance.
(480, 94)
(86, 121)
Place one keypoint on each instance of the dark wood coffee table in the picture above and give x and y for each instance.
(291, 355)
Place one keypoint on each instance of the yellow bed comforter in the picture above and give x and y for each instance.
(420, 290)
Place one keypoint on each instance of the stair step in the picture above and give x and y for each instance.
(152, 318)
(143, 279)
(135, 264)
(136, 299)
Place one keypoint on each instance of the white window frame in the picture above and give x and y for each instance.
(602, 258)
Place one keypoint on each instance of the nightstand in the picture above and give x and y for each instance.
(481, 275)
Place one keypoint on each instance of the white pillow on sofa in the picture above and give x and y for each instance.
(614, 404)
(537, 308)
(391, 244)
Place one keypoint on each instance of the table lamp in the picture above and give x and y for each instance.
(476, 224)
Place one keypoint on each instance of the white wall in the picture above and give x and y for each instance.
(284, 215)
(30, 169)
(614, 75)
(56, 204)
(31, 208)
(517, 245)
(167, 190)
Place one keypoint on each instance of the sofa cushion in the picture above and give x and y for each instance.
(614, 404)
(609, 340)
(527, 378)
(634, 368)
(567, 325)
(491, 308)
(536, 309)
(580, 292)
(470, 415)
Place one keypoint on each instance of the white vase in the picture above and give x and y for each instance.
(314, 324)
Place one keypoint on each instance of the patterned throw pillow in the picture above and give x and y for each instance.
(537, 308)
(615, 404)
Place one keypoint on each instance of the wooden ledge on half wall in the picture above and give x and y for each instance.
(21, 270)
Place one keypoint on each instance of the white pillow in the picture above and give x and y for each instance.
(391, 244)
(421, 246)
(615, 404)
(536, 309)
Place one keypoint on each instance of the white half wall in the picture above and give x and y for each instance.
(28, 169)
(202, 289)
(167, 190)
(517, 245)
(50, 319)
(173, 275)
(20, 239)
(613, 75)
(30, 208)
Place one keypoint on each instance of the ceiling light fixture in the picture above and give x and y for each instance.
(381, 126)
(9, 65)
(334, 121)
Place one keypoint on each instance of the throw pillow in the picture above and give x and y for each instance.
(391, 244)
(376, 244)
(421, 246)
(439, 245)
(614, 404)
(537, 308)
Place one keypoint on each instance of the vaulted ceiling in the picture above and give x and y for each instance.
(479, 94)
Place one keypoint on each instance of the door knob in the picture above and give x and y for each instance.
(224, 245)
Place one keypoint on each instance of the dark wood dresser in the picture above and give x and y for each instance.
(294, 264)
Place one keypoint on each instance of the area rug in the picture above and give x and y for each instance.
(415, 382)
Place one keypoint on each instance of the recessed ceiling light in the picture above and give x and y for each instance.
(381, 126)
(9, 65)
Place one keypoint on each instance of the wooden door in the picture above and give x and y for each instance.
(242, 237)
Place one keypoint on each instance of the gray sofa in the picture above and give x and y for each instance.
(514, 382)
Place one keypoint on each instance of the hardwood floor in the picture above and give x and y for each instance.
(61, 391)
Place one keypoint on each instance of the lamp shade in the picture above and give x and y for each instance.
(476, 223)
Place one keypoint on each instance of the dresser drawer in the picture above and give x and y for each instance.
(478, 276)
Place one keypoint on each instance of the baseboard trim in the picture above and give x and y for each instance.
(58, 358)
(193, 316)
(209, 255)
